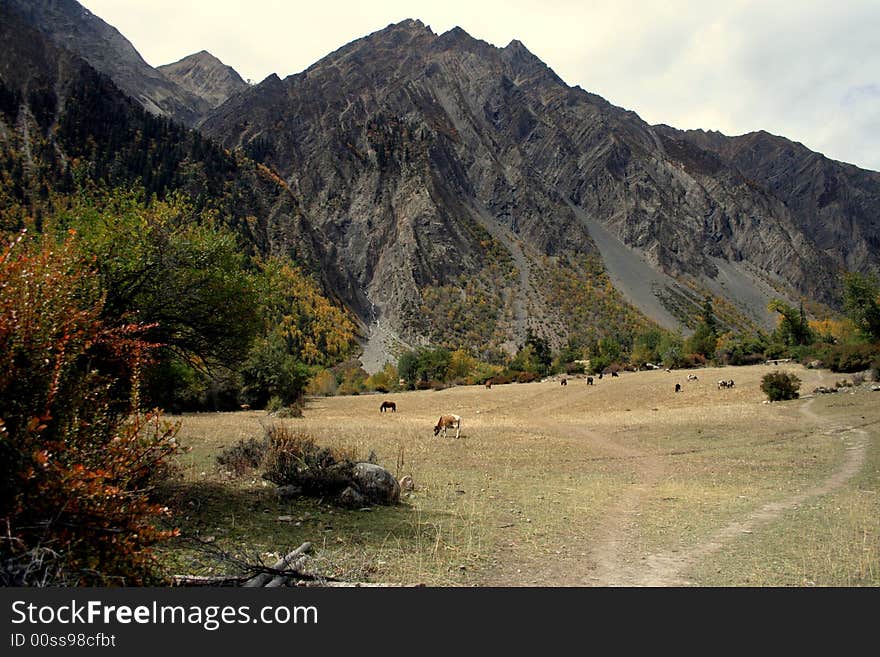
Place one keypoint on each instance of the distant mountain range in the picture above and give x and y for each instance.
(455, 192)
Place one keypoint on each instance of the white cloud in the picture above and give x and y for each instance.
(804, 69)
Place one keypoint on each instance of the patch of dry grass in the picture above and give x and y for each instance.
(542, 478)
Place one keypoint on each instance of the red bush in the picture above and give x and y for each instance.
(76, 456)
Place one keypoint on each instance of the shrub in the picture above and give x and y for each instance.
(77, 459)
(277, 408)
(245, 455)
(852, 357)
(780, 386)
(293, 458)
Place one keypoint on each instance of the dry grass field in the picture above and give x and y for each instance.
(623, 483)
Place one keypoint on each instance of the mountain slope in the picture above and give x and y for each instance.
(409, 148)
(836, 204)
(69, 25)
(64, 125)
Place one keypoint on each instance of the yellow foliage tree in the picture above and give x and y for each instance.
(316, 332)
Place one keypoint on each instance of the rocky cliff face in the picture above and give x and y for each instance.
(71, 26)
(408, 147)
(834, 203)
(205, 76)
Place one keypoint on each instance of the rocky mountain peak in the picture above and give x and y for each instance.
(205, 76)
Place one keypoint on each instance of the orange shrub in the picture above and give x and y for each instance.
(76, 457)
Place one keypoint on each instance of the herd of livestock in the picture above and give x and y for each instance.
(452, 421)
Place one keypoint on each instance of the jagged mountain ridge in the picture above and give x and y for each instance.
(399, 139)
(835, 203)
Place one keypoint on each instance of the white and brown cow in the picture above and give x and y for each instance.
(448, 422)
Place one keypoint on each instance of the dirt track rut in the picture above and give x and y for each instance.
(670, 568)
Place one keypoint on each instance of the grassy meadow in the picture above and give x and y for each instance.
(620, 483)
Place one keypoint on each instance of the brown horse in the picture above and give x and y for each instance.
(388, 404)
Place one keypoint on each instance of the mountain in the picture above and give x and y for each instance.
(454, 192)
(205, 76)
(69, 25)
(441, 167)
(64, 125)
(835, 203)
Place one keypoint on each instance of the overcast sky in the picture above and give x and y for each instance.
(805, 69)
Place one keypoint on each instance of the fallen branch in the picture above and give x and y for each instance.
(207, 580)
(281, 569)
(338, 584)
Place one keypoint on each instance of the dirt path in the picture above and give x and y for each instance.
(603, 557)
(670, 568)
(608, 560)
(594, 559)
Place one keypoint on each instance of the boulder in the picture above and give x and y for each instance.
(288, 492)
(351, 497)
(377, 485)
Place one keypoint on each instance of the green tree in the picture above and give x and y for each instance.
(862, 303)
(646, 347)
(271, 371)
(542, 352)
(165, 266)
(793, 328)
(704, 341)
(671, 350)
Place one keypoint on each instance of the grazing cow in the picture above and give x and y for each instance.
(692, 377)
(613, 373)
(600, 375)
(730, 383)
(725, 384)
(448, 422)
(488, 383)
(388, 404)
(677, 387)
(589, 380)
(563, 382)
(245, 407)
